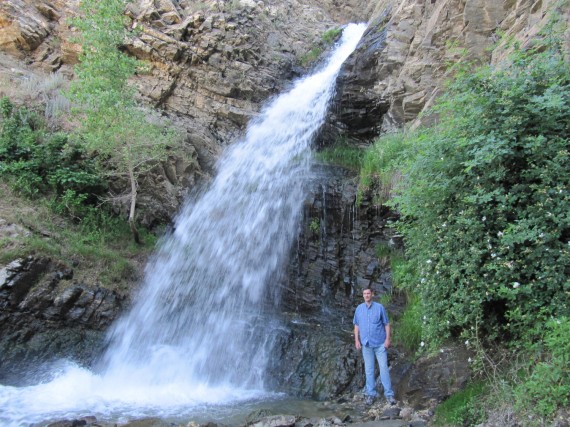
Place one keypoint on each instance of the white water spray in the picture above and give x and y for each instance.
(201, 327)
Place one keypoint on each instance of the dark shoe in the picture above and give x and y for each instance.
(391, 400)
(369, 400)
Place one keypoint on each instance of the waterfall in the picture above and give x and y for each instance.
(201, 326)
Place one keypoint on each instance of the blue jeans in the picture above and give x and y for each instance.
(369, 354)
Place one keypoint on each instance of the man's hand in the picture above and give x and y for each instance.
(387, 343)
(357, 343)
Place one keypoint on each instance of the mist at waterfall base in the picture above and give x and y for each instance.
(200, 333)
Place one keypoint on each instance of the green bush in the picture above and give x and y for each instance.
(463, 408)
(408, 328)
(39, 162)
(380, 166)
(331, 36)
(546, 382)
(485, 202)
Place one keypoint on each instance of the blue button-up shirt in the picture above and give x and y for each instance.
(371, 322)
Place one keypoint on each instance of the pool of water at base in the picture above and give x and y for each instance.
(234, 414)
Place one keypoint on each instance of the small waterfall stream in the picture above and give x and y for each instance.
(201, 328)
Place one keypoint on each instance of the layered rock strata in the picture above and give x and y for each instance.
(46, 316)
(405, 57)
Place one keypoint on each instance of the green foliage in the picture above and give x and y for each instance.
(331, 36)
(462, 408)
(546, 380)
(127, 139)
(385, 299)
(311, 56)
(342, 154)
(383, 250)
(408, 329)
(380, 169)
(485, 203)
(327, 39)
(42, 163)
(315, 226)
(100, 242)
(112, 123)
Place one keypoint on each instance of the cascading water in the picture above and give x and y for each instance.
(201, 327)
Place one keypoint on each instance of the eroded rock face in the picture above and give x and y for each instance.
(335, 258)
(403, 59)
(333, 261)
(210, 66)
(45, 316)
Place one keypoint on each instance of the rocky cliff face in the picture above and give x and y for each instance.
(210, 67)
(46, 316)
(403, 59)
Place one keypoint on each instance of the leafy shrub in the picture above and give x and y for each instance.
(331, 36)
(546, 384)
(380, 168)
(315, 226)
(462, 408)
(408, 329)
(486, 199)
(39, 162)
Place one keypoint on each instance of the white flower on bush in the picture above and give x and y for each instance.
(422, 344)
(500, 234)
(429, 261)
(484, 219)
(469, 360)
(493, 255)
(516, 285)
(466, 342)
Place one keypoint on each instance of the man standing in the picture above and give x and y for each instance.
(372, 335)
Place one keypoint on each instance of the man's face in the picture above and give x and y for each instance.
(367, 294)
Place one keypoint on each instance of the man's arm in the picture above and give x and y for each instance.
(388, 330)
(357, 343)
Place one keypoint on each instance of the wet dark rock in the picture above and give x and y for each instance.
(433, 378)
(148, 422)
(41, 321)
(258, 415)
(68, 423)
(315, 355)
(328, 269)
(275, 421)
(391, 413)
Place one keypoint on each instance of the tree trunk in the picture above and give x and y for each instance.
(132, 224)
